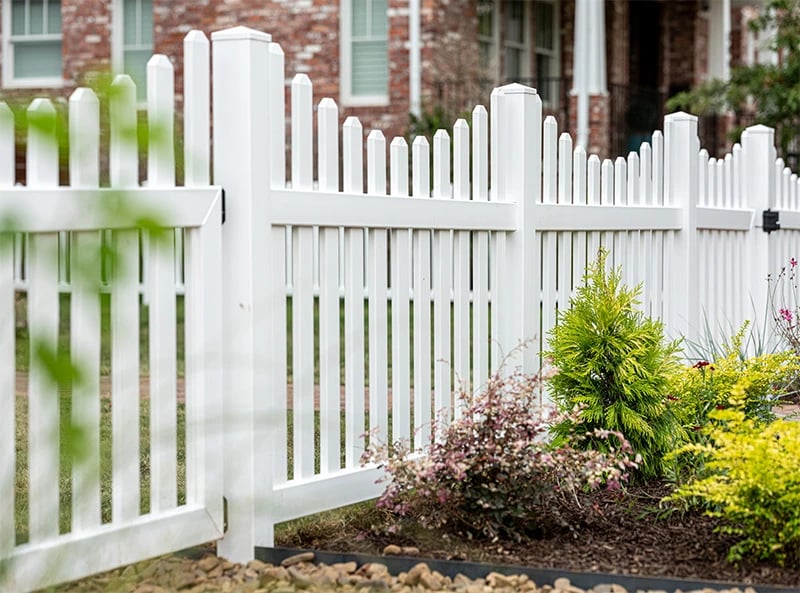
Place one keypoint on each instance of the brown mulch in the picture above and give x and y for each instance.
(628, 534)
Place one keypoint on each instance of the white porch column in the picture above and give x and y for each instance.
(589, 67)
(719, 38)
(415, 57)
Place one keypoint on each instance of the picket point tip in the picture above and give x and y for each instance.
(680, 116)
(420, 141)
(758, 129)
(399, 141)
(327, 103)
(516, 88)
(375, 135)
(301, 79)
(352, 122)
(40, 105)
(461, 123)
(196, 36)
(159, 61)
(83, 94)
(441, 133)
(123, 80)
(479, 110)
(240, 34)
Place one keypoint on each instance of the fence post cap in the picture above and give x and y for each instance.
(759, 129)
(516, 88)
(240, 34)
(680, 116)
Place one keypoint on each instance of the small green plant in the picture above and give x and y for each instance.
(751, 481)
(615, 363)
(699, 389)
(784, 302)
(493, 473)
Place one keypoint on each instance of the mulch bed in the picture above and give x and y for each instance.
(624, 533)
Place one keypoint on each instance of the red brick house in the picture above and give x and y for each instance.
(383, 59)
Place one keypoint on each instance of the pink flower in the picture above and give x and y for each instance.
(793, 262)
(786, 314)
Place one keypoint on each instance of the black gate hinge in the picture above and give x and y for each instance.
(770, 221)
(224, 515)
(223, 205)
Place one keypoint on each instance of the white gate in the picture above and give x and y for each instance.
(112, 520)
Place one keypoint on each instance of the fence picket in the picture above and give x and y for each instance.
(161, 290)
(353, 299)
(480, 251)
(401, 290)
(420, 155)
(329, 344)
(646, 236)
(196, 109)
(7, 338)
(43, 397)
(378, 286)
(124, 169)
(197, 167)
(592, 198)
(461, 271)
(565, 238)
(607, 199)
(84, 133)
(303, 352)
(549, 160)
(579, 196)
(443, 270)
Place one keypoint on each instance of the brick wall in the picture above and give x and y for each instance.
(308, 31)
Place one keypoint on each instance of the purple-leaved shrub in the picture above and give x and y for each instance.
(492, 472)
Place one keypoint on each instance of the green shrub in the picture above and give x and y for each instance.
(493, 473)
(751, 481)
(615, 363)
(699, 389)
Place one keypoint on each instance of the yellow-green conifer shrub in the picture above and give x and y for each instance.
(614, 363)
(751, 481)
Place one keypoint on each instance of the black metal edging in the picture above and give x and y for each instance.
(541, 576)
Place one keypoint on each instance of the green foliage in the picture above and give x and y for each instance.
(774, 89)
(751, 482)
(699, 389)
(492, 473)
(615, 363)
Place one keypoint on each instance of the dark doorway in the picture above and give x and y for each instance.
(644, 103)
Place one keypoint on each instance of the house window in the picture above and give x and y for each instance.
(133, 41)
(487, 39)
(516, 40)
(32, 43)
(365, 52)
(546, 44)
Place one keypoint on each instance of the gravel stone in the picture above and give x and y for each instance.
(297, 559)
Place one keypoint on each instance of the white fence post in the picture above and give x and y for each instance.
(758, 157)
(520, 164)
(681, 187)
(241, 153)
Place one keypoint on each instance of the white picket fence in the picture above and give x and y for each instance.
(387, 291)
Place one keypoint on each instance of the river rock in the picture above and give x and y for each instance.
(297, 559)
(392, 550)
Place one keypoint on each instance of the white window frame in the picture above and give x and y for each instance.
(493, 43)
(555, 53)
(10, 81)
(346, 96)
(118, 42)
(524, 47)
